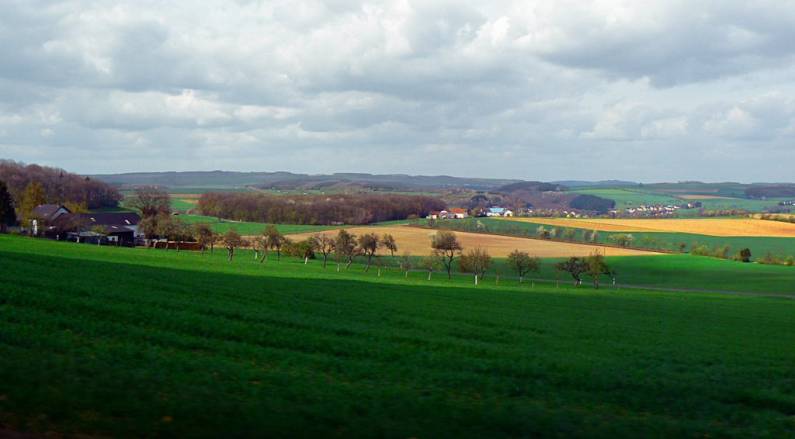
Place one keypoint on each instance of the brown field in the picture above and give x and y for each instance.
(707, 226)
(417, 241)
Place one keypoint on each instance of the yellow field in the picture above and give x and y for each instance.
(417, 241)
(707, 226)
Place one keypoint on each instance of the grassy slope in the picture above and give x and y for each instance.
(142, 342)
(633, 197)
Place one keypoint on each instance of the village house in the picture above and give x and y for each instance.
(457, 213)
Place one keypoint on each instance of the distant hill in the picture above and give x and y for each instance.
(288, 180)
(600, 183)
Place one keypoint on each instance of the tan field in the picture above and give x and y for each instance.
(417, 241)
(707, 226)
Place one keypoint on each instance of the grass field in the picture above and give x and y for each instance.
(625, 198)
(701, 226)
(417, 241)
(134, 342)
(249, 228)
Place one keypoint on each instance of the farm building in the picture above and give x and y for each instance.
(499, 211)
(457, 213)
(45, 215)
(58, 222)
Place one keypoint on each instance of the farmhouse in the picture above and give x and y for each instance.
(499, 211)
(44, 215)
(457, 213)
(58, 222)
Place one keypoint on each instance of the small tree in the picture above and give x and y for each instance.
(596, 266)
(542, 232)
(325, 245)
(430, 263)
(7, 215)
(574, 266)
(345, 247)
(523, 263)
(406, 263)
(745, 255)
(32, 197)
(275, 239)
(445, 244)
(388, 242)
(204, 236)
(368, 243)
(476, 261)
(569, 234)
(622, 239)
(232, 240)
(100, 231)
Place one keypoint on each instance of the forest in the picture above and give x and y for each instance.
(316, 209)
(59, 186)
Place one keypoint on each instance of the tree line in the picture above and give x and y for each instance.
(56, 186)
(316, 209)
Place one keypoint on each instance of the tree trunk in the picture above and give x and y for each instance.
(429, 275)
(521, 279)
(476, 280)
(306, 260)
(379, 271)
(325, 258)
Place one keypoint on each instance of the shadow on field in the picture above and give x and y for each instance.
(122, 349)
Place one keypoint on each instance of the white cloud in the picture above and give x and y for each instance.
(502, 88)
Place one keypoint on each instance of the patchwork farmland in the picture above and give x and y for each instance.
(417, 241)
(701, 226)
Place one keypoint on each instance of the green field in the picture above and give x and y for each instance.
(625, 198)
(137, 342)
(249, 228)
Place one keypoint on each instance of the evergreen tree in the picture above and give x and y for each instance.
(7, 215)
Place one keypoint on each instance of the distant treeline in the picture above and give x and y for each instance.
(316, 209)
(59, 186)
(775, 191)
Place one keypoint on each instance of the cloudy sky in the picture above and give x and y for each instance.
(641, 90)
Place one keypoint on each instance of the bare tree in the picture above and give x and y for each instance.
(523, 263)
(275, 239)
(232, 240)
(345, 247)
(406, 263)
(596, 267)
(204, 236)
(388, 242)
(368, 243)
(325, 245)
(151, 201)
(430, 263)
(445, 244)
(476, 261)
(575, 267)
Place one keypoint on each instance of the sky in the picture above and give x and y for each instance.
(538, 90)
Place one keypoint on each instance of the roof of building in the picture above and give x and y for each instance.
(458, 210)
(110, 218)
(496, 209)
(47, 211)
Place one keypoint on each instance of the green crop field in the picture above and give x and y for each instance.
(625, 198)
(139, 342)
(249, 228)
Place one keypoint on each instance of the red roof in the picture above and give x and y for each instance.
(458, 210)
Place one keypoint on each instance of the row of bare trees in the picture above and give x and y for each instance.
(316, 209)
